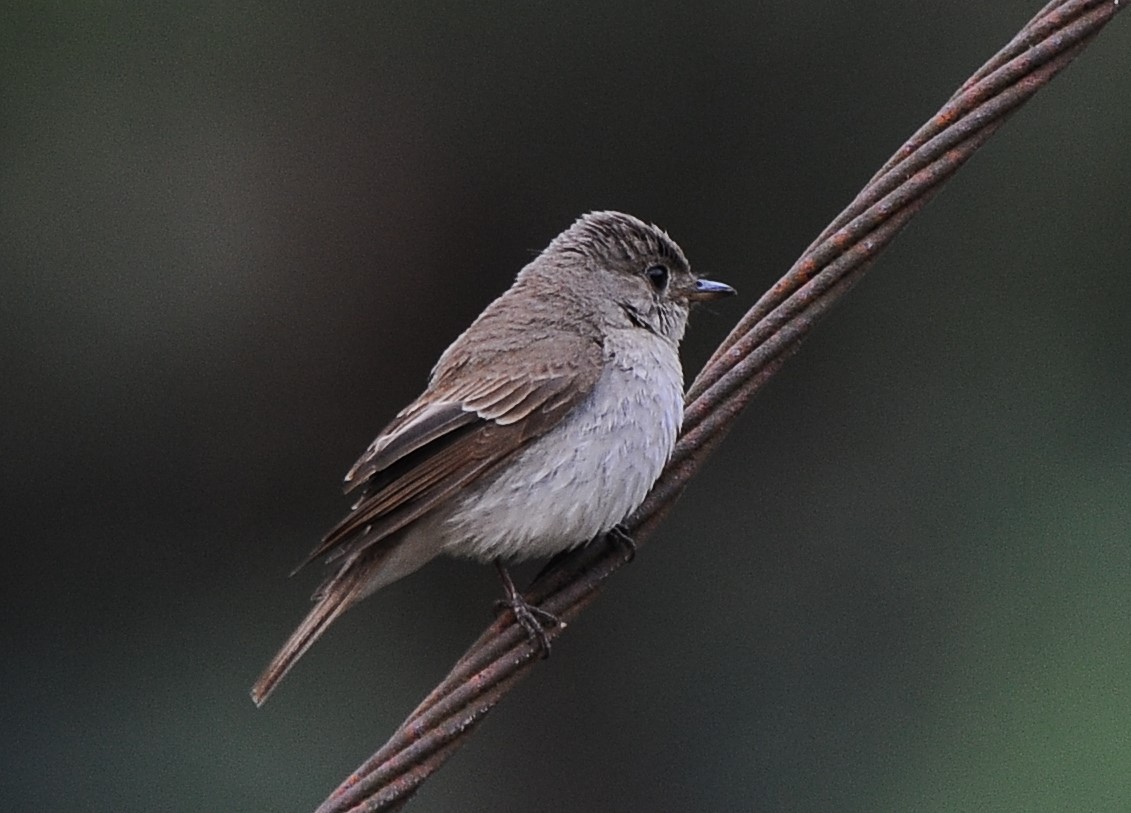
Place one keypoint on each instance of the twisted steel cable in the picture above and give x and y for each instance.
(753, 352)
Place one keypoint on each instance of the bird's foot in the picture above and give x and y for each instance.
(533, 620)
(618, 536)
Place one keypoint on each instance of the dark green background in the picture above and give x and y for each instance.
(234, 239)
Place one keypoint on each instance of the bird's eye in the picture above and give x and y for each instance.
(658, 276)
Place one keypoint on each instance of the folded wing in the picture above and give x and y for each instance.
(450, 437)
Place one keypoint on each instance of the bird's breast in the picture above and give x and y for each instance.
(591, 470)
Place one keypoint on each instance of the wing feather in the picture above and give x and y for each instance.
(408, 432)
(435, 448)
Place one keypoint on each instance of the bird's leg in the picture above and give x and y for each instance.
(530, 618)
(618, 536)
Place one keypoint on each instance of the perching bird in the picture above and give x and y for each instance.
(543, 425)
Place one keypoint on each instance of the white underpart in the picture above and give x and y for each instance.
(589, 472)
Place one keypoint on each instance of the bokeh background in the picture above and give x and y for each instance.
(235, 237)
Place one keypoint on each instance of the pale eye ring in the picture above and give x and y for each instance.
(658, 276)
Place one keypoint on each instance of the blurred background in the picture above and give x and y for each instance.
(235, 237)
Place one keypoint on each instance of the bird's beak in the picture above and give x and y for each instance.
(705, 290)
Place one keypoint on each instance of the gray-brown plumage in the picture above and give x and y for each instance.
(543, 425)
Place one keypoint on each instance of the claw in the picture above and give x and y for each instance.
(532, 619)
(619, 536)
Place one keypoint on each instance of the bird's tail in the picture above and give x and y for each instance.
(333, 599)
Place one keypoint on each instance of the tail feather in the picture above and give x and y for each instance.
(367, 567)
(333, 600)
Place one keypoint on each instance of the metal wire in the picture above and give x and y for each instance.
(758, 346)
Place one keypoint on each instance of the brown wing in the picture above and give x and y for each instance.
(450, 437)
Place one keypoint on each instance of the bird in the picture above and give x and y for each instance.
(543, 426)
